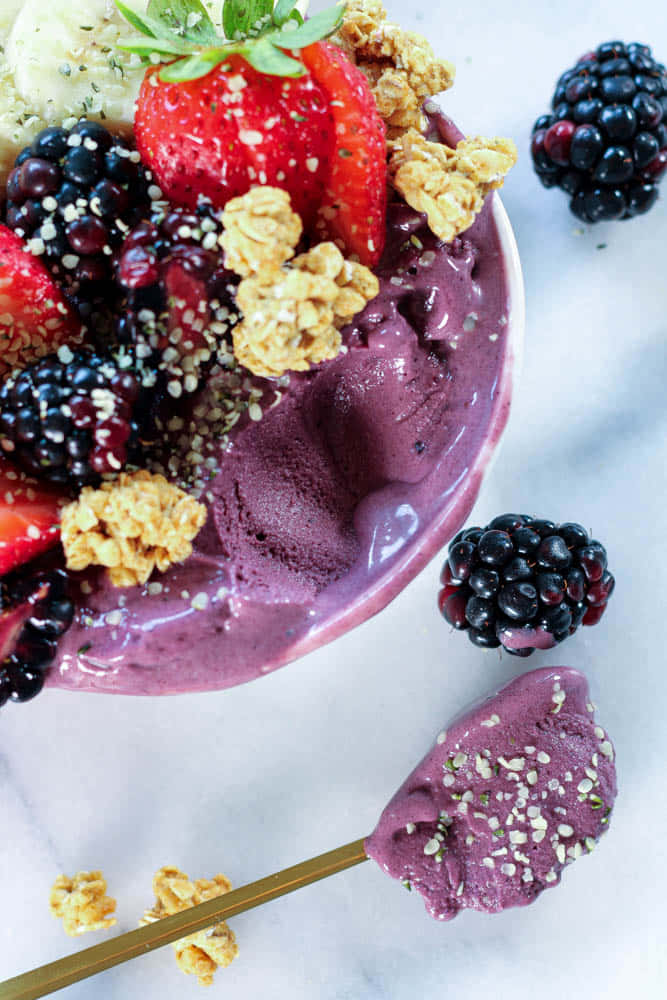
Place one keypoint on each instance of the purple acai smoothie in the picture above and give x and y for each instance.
(515, 790)
(320, 512)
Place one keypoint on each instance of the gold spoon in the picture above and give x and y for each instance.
(123, 947)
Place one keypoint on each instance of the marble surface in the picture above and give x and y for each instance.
(256, 778)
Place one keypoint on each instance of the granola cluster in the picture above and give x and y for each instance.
(82, 903)
(132, 526)
(260, 231)
(449, 185)
(292, 313)
(400, 65)
(202, 953)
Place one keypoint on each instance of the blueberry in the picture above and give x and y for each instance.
(495, 547)
(82, 166)
(94, 132)
(619, 122)
(518, 601)
(615, 166)
(587, 145)
(50, 144)
(484, 581)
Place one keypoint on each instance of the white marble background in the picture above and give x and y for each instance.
(253, 779)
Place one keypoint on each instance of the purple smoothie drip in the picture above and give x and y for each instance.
(516, 789)
(324, 509)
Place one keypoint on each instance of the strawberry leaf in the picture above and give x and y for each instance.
(240, 17)
(187, 16)
(266, 58)
(194, 67)
(143, 23)
(285, 10)
(313, 30)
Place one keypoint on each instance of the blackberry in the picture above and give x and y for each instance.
(73, 196)
(70, 417)
(605, 141)
(177, 296)
(524, 583)
(35, 610)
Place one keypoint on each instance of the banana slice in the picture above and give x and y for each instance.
(8, 12)
(61, 61)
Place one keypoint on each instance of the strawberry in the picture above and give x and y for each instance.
(225, 115)
(216, 137)
(34, 316)
(355, 206)
(29, 517)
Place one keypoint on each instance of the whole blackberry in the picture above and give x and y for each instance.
(35, 610)
(177, 296)
(73, 196)
(70, 418)
(524, 583)
(605, 141)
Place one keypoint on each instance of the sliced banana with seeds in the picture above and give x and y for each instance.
(61, 61)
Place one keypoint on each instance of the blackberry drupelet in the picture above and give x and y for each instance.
(35, 610)
(73, 196)
(70, 418)
(605, 141)
(524, 583)
(177, 297)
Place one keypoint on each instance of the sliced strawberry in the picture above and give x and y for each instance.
(354, 209)
(34, 316)
(29, 517)
(218, 136)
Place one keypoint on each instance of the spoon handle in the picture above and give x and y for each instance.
(72, 969)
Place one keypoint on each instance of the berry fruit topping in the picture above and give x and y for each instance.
(355, 202)
(69, 418)
(35, 610)
(29, 517)
(177, 297)
(72, 197)
(605, 142)
(524, 583)
(223, 116)
(34, 316)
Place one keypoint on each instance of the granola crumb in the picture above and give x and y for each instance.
(82, 903)
(138, 523)
(292, 315)
(202, 953)
(260, 230)
(400, 65)
(449, 185)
